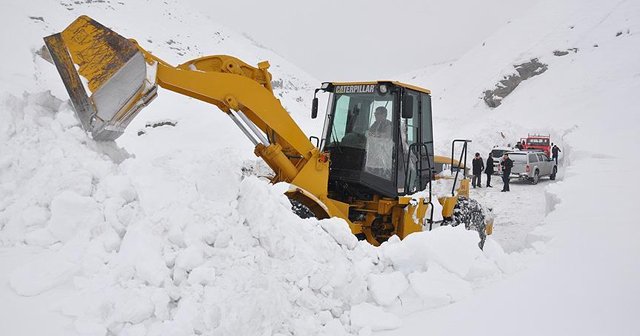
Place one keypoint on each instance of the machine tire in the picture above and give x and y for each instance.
(470, 213)
(553, 175)
(301, 210)
(536, 177)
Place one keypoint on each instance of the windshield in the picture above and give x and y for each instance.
(357, 116)
(363, 121)
(496, 153)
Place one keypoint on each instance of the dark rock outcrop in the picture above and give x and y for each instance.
(493, 98)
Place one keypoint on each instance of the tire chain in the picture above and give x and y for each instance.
(472, 214)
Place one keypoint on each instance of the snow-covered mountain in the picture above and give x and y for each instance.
(587, 100)
(162, 234)
(589, 51)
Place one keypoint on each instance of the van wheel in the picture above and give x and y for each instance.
(536, 177)
(553, 175)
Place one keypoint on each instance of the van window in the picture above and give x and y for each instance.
(496, 153)
(516, 157)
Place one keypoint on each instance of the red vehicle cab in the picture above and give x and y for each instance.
(536, 141)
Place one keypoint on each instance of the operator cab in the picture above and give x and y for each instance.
(380, 139)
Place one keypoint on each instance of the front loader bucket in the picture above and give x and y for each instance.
(105, 75)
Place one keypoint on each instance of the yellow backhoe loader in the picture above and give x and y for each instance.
(375, 152)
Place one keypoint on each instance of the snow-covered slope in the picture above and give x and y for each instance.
(591, 86)
(587, 100)
(171, 30)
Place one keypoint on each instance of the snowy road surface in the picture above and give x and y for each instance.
(517, 212)
(559, 294)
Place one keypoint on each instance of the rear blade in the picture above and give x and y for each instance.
(105, 75)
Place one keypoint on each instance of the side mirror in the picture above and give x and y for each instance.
(314, 108)
(407, 106)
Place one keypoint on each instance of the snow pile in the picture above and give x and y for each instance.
(55, 182)
(227, 258)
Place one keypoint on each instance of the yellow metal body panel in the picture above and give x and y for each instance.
(488, 229)
(463, 190)
(444, 160)
(97, 62)
(413, 215)
(448, 203)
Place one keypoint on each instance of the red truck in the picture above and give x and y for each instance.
(537, 141)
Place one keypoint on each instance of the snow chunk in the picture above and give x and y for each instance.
(119, 186)
(339, 230)
(202, 275)
(366, 315)
(142, 251)
(438, 287)
(71, 212)
(454, 248)
(190, 258)
(385, 288)
(133, 308)
(42, 274)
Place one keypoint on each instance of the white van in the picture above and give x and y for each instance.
(532, 165)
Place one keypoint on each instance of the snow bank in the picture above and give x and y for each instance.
(226, 257)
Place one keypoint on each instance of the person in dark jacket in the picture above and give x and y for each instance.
(489, 170)
(519, 145)
(554, 153)
(506, 165)
(478, 166)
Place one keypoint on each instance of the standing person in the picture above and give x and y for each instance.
(489, 170)
(554, 152)
(506, 164)
(519, 145)
(478, 166)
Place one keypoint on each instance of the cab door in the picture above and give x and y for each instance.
(415, 143)
(409, 131)
(547, 168)
(426, 137)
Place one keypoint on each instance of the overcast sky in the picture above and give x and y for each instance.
(363, 40)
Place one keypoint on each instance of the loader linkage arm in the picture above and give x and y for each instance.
(119, 78)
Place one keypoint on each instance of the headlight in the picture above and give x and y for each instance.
(383, 88)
